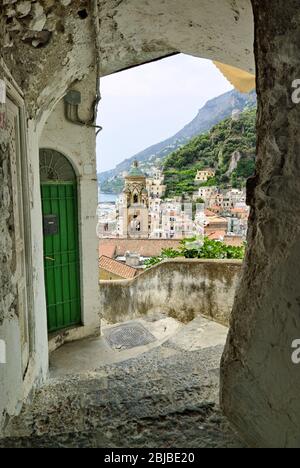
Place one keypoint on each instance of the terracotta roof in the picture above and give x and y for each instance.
(144, 247)
(216, 220)
(117, 268)
(209, 213)
(108, 250)
(216, 235)
(216, 209)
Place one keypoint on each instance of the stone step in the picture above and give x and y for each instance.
(152, 400)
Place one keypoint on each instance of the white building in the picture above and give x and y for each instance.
(107, 221)
(205, 193)
(237, 226)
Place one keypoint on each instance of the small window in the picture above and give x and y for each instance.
(54, 166)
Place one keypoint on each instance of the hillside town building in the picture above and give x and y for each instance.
(204, 174)
(155, 185)
(206, 193)
(171, 218)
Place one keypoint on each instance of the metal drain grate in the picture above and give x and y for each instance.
(128, 336)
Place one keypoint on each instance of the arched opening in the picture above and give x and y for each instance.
(232, 46)
(61, 242)
(177, 287)
(192, 182)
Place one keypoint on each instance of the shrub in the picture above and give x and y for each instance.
(211, 249)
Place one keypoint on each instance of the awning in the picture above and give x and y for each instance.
(243, 81)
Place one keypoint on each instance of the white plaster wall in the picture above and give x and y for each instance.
(38, 316)
(78, 144)
(215, 29)
(180, 288)
(11, 372)
(14, 387)
(132, 32)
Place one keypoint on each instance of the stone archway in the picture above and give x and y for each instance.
(132, 32)
(259, 381)
(49, 47)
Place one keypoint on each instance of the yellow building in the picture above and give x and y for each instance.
(204, 175)
(155, 185)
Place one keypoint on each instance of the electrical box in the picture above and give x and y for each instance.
(51, 225)
(73, 98)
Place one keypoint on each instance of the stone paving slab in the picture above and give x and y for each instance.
(167, 397)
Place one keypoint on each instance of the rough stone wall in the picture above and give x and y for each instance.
(50, 44)
(182, 289)
(42, 39)
(10, 373)
(7, 287)
(260, 384)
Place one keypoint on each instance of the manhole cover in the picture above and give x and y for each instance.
(128, 336)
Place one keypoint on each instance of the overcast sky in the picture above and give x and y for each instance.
(147, 104)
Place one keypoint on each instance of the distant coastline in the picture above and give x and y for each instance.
(107, 197)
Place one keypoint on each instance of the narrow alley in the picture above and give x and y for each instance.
(163, 394)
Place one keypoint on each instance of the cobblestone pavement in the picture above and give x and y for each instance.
(167, 397)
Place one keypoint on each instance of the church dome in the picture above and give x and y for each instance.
(135, 170)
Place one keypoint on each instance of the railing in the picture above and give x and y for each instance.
(180, 288)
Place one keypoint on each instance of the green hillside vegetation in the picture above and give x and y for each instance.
(214, 149)
(116, 185)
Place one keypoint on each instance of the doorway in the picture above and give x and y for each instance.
(61, 240)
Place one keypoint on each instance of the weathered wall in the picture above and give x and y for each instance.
(47, 39)
(7, 305)
(9, 332)
(182, 289)
(50, 45)
(78, 144)
(260, 384)
(15, 383)
(56, 38)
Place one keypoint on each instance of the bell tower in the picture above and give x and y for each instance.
(136, 204)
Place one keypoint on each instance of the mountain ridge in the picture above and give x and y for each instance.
(229, 148)
(214, 111)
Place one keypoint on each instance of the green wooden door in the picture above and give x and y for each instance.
(61, 253)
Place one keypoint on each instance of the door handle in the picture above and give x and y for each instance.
(50, 259)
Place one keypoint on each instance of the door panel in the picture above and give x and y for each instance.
(14, 127)
(61, 252)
